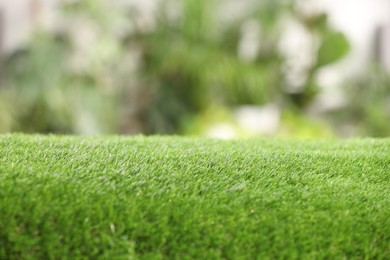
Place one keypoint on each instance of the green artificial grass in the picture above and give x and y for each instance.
(189, 198)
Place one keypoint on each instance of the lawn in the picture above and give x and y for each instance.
(192, 198)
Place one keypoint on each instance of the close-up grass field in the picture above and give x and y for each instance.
(193, 198)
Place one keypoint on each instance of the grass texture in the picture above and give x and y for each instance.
(189, 198)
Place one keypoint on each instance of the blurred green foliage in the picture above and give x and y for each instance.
(47, 94)
(164, 77)
(368, 104)
(193, 65)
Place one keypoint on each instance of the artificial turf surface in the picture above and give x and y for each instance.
(185, 198)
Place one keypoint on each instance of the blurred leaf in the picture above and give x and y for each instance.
(197, 22)
(316, 22)
(333, 47)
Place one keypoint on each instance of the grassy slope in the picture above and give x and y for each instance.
(157, 197)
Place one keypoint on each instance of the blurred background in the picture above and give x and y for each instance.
(218, 68)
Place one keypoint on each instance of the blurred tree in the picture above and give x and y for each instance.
(55, 85)
(192, 62)
(104, 72)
